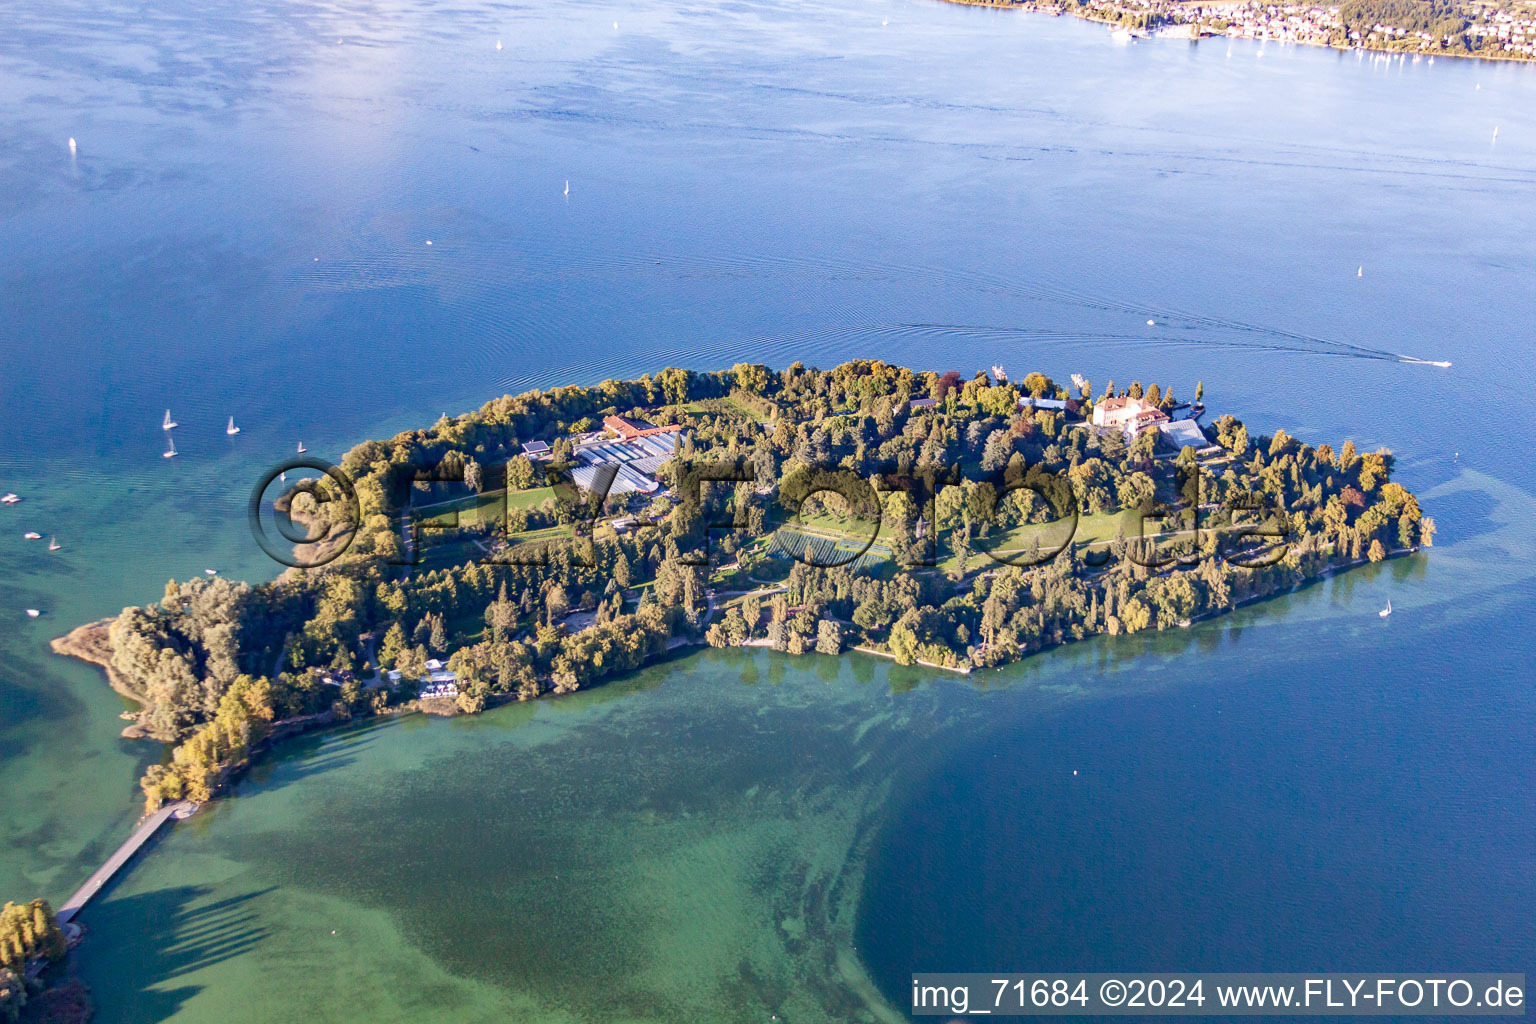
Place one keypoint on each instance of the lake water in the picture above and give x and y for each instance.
(243, 231)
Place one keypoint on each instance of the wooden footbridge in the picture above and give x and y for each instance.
(123, 854)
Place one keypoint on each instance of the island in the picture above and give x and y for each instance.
(549, 540)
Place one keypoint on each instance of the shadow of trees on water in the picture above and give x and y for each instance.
(177, 935)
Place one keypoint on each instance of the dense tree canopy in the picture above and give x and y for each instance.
(548, 600)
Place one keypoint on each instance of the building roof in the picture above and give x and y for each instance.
(923, 403)
(1031, 402)
(536, 448)
(1183, 433)
(630, 429)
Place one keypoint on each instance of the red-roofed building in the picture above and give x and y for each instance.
(630, 429)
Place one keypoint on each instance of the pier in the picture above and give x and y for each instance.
(104, 874)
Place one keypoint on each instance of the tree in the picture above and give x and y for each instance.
(751, 377)
(943, 385)
(394, 643)
(1144, 446)
(29, 930)
(751, 612)
(1135, 615)
(995, 455)
(412, 663)
(472, 476)
(1174, 597)
(501, 614)
(438, 640)
(730, 631)
(1137, 491)
(519, 473)
(471, 699)
(829, 637)
(556, 604)
(13, 995)
(903, 644)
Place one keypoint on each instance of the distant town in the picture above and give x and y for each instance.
(1422, 28)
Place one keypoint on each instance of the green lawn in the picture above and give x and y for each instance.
(729, 406)
(844, 527)
(1091, 531)
(488, 508)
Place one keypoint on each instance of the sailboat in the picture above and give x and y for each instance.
(170, 452)
(282, 476)
(302, 449)
(1387, 610)
(231, 430)
(32, 535)
(10, 499)
(1361, 271)
(567, 188)
(53, 544)
(167, 423)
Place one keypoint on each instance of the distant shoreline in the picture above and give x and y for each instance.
(1055, 10)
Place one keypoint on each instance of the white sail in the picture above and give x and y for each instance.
(231, 429)
(167, 423)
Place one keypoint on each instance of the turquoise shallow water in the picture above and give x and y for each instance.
(242, 232)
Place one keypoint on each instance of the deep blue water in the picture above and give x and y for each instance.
(243, 232)
(1363, 808)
